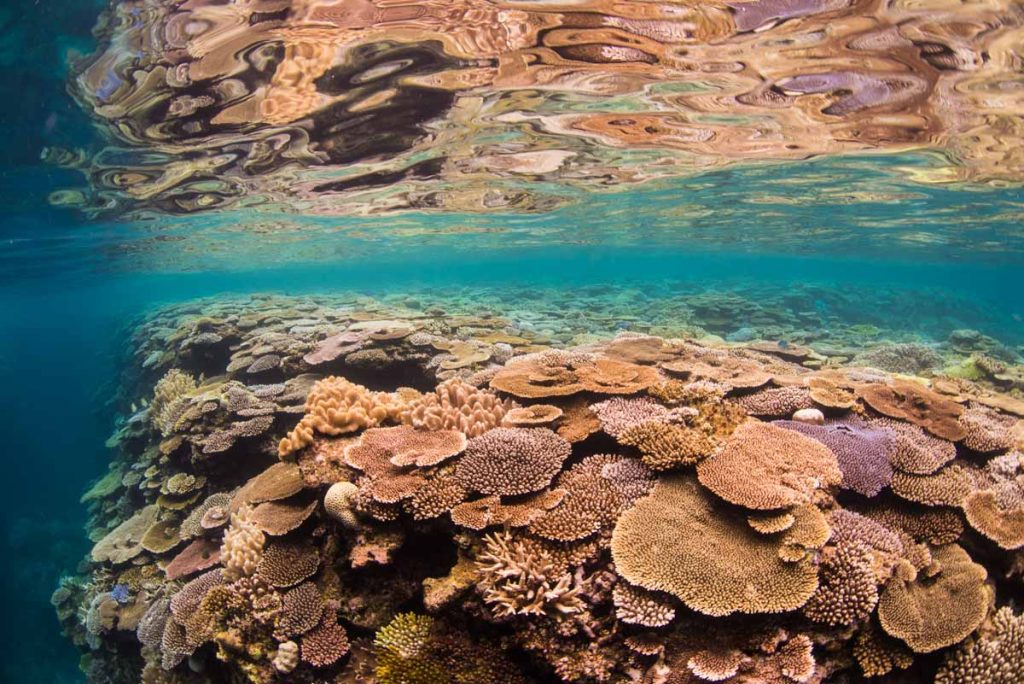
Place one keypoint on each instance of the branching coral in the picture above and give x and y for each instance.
(994, 656)
(516, 581)
(573, 536)
(509, 461)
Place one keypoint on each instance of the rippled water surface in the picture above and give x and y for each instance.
(836, 173)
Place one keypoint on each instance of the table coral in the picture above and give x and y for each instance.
(763, 466)
(719, 567)
(558, 551)
(929, 613)
(863, 452)
(913, 402)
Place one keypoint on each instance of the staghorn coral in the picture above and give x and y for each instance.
(509, 461)
(719, 567)
(515, 581)
(763, 466)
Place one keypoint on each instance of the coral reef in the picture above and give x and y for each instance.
(629, 509)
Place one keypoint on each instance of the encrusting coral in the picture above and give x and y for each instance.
(621, 512)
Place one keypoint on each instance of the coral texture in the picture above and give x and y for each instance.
(638, 518)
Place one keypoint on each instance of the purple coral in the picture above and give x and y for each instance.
(862, 451)
(121, 593)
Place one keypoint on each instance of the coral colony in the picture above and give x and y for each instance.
(352, 492)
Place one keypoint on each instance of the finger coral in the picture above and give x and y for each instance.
(242, 547)
(336, 406)
(455, 405)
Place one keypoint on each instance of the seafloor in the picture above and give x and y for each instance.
(489, 488)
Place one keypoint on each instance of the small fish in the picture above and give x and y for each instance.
(783, 344)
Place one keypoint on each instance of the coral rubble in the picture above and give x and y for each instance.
(330, 494)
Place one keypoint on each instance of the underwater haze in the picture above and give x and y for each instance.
(486, 341)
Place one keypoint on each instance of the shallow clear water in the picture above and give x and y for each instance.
(901, 219)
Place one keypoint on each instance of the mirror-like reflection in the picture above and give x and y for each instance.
(352, 107)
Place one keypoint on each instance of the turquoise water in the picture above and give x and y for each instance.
(855, 239)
